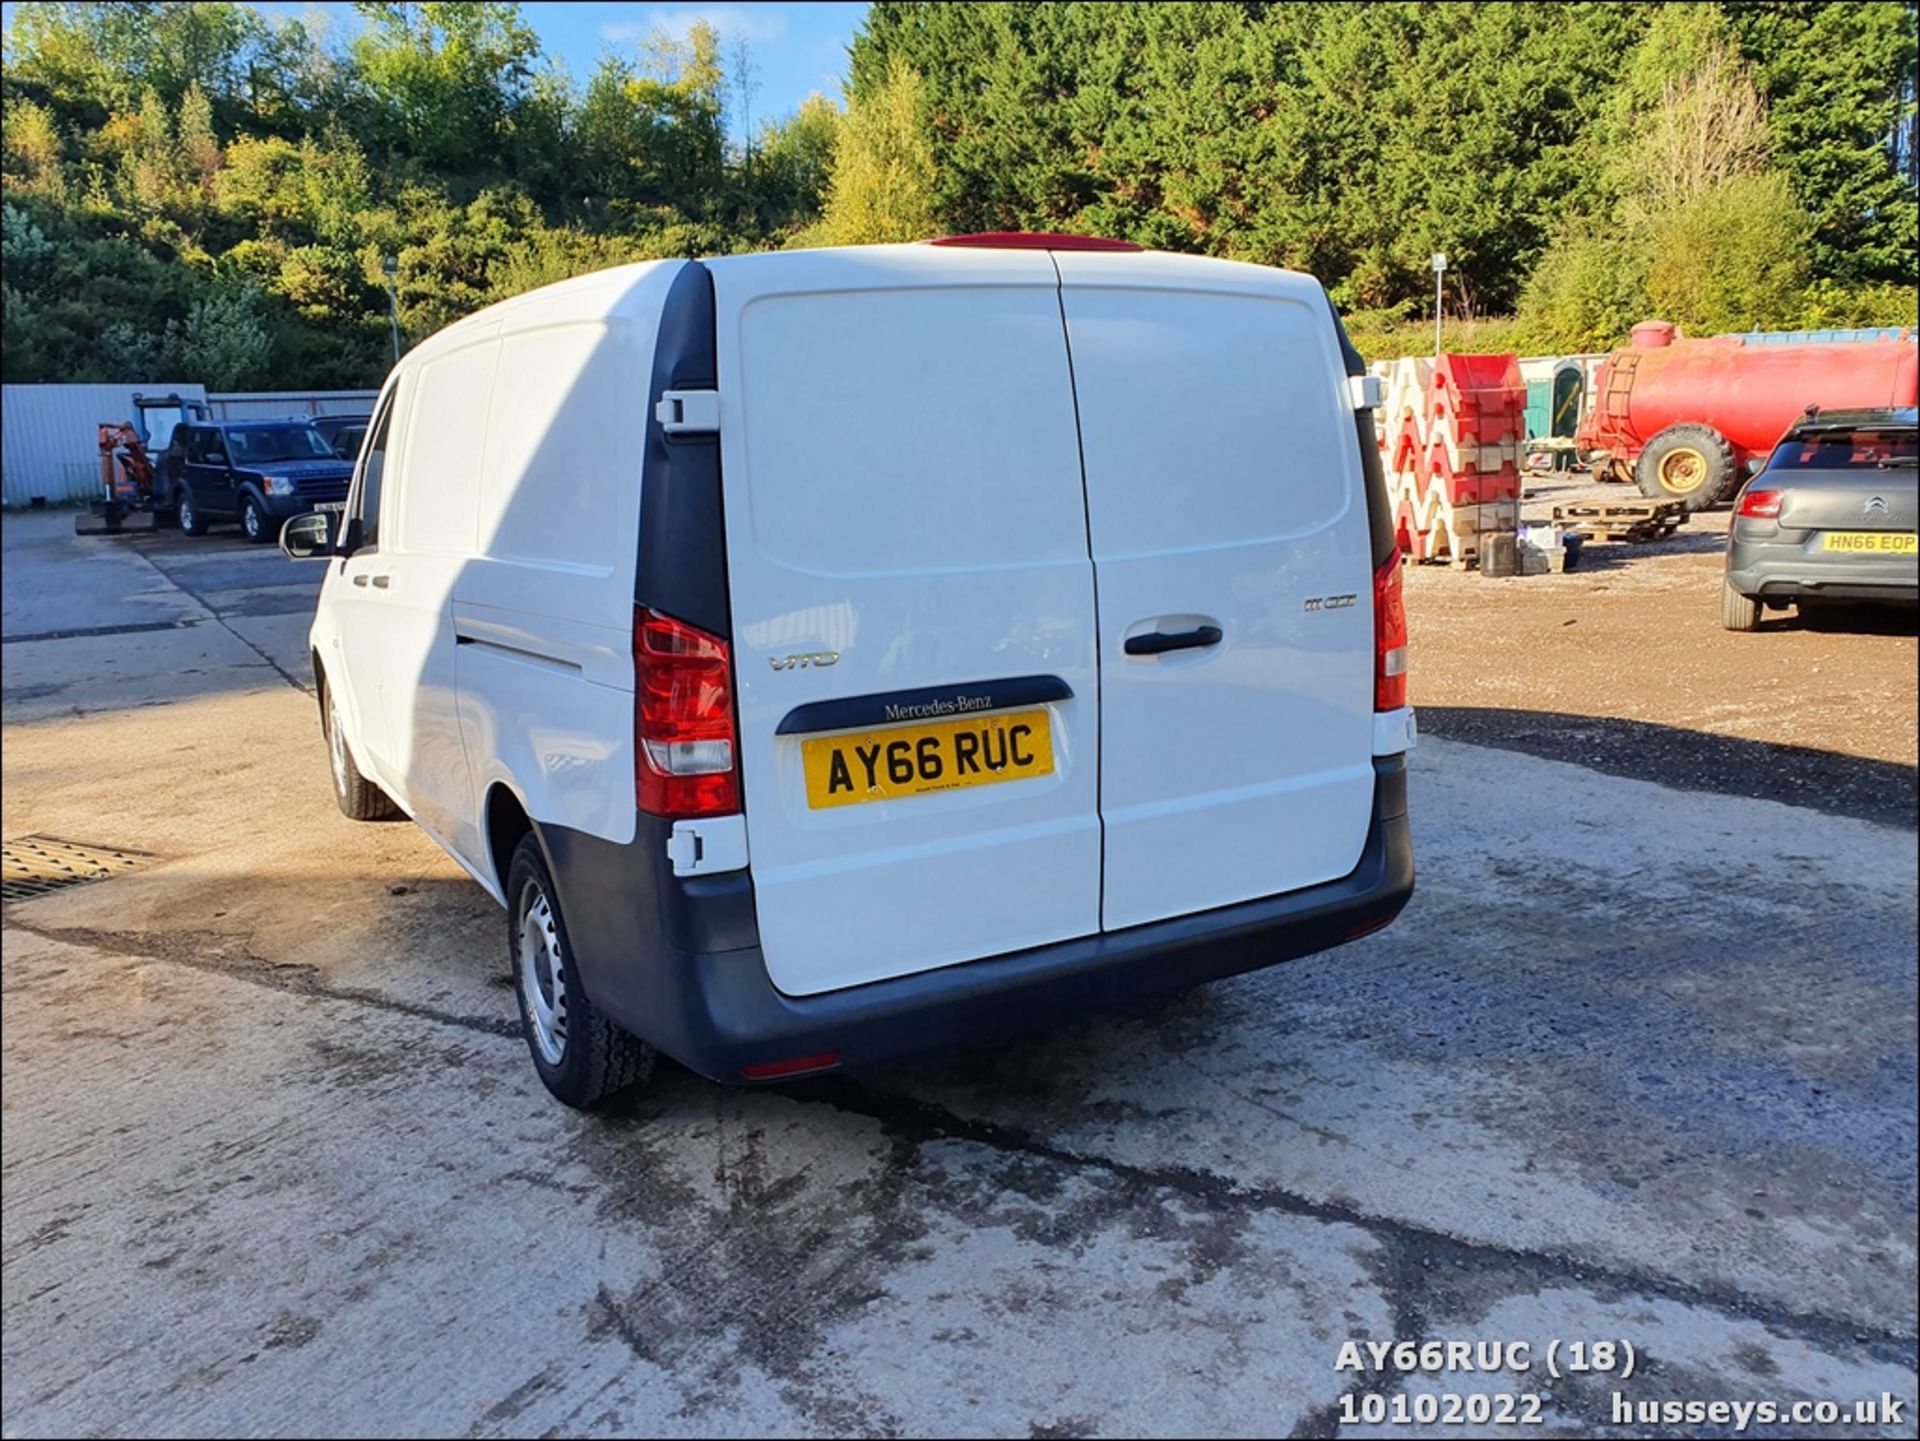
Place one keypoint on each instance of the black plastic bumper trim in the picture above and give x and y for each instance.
(677, 961)
(940, 702)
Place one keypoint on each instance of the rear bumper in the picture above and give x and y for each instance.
(682, 967)
(1769, 562)
(1788, 571)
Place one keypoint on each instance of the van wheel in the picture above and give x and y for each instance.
(1737, 611)
(1692, 464)
(253, 520)
(359, 799)
(582, 1057)
(190, 520)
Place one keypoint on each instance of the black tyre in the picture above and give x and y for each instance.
(1737, 611)
(255, 524)
(582, 1057)
(191, 521)
(1692, 464)
(359, 799)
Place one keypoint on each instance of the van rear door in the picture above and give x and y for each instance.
(1229, 535)
(912, 608)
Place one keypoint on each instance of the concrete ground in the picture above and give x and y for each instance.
(1638, 1064)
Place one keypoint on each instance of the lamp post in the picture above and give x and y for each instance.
(390, 268)
(1439, 271)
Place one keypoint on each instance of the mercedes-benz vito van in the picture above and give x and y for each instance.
(832, 654)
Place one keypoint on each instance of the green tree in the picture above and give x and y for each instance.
(199, 149)
(881, 185)
(793, 157)
(1734, 257)
(1840, 83)
(443, 80)
(183, 165)
(225, 341)
(34, 163)
(1588, 290)
(1701, 231)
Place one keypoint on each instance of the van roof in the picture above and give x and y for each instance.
(603, 294)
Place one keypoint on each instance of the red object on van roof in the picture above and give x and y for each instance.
(1035, 240)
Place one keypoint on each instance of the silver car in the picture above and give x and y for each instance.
(1832, 517)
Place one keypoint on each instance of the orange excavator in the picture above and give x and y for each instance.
(130, 484)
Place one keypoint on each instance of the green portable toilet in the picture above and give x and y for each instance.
(1569, 386)
(1539, 408)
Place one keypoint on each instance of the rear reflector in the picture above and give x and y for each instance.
(1762, 504)
(798, 1066)
(1367, 928)
(684, 746)
(1035, 240)
(1389, 637)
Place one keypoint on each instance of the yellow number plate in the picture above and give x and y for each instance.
(885, 765)
(1872, 542)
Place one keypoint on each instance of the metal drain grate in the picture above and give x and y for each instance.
(34, 865)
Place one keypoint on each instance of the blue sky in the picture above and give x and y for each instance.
(797, 48)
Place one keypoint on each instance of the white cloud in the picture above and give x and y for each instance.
(759, 24)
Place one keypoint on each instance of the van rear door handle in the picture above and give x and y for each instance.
(382, 581)
(360, 579)
(1159, 643)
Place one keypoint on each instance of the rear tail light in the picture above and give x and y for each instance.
(686, 752)
(1762, 504)
(1389, 637)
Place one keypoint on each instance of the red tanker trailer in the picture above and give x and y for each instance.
(1688, 419)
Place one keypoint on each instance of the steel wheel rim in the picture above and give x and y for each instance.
(336, 747)
(1683, 469)
(186, 513)
(543, 979)
(253, 520)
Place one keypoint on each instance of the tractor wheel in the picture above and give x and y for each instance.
(1692, 464)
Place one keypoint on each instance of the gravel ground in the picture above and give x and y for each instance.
(1622, 666)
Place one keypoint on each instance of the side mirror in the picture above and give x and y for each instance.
(307, 537)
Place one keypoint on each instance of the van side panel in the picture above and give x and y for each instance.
(430, 487)
(543, 610)
(1224, 497)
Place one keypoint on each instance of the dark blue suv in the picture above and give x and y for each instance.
(257, 472)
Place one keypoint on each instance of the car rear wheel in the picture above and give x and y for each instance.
(359, 799)
(254, 521)
(582, 1057)
(1692, 464)
(1737, 611)
(190, 519)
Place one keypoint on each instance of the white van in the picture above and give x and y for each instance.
(832, 654)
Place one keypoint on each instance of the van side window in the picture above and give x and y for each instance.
(365, 504)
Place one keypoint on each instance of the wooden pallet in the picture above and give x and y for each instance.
(1621, 520)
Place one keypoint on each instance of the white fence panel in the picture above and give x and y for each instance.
(50, 435)
(279, 404)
